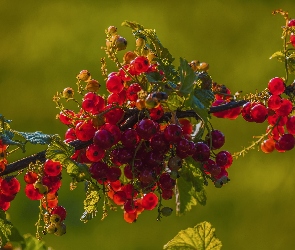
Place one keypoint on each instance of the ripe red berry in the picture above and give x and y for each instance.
(291, 22)
(32, 193)
(61, 211)
(103, 139)
(202, 152)
(217, 139)
(285, 108)
(30, 177)
(98, 170)
(274, 102)
(286, 142)
(276, 86)
(166, 182)
(114, 84)
(146, 129)
(173, 133)
(259, 113)
(84, 131)
(119, 197)
(149, 201)
(94, 153)
(52, 168)
(268, 145)
(132, 91)
(140, 64)
(290, 125)
(10, 186)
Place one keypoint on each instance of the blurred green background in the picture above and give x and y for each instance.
(44, 44)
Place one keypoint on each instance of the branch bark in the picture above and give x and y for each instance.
(131, 117)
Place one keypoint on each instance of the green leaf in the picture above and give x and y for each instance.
(204, 96)
(60, 151)
(16, 237)
(187, 78)
(5, 231)
(36, 137)
(90, 203)
(200, 237)
(32, 243)
(174, 101)
(279, 55)
(154, 77)
(192, 102)
(190, 187)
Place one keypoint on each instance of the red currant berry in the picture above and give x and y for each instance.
(286, 142)
(70, 135)
(173, 133)
(30, 177)
(149, 201)
(103, 139)
(66, 116)
(52, 168)
(84, 131)
(290, 125)
(167, 194)
(276, 86)
(61, 211)
(130, 217)
(285, 108)
(217, 139)
(10, 186)
(114, 84)
(32, 193)
(113, 115)
(186, 126)
(98, 170)
(146, 129)
(119, 197)
(166, 182)
(129, 138)
(132, 91)
(291, 23)
(94, 153)
(113, 174)
(274, 102)
(114, 130)
(202, 152)
(268, 146)
(259, 113)
(140, 64)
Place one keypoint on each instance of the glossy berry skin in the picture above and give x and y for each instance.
(32, 193)
(61, 211)
(10, 186)
(119, 197)
(259, 113)
(166, 182)
(173, 133)
(103, 139)
(285, 108)
(149, 201)
(246, 112)
(66, 116)
(30, 177)
(224, 159)
(202, 152)
(159, 142)
(132, 91)
(276, 86)
(291, 23)
(129, 138)
(52, 168)
(274, 102)
(146, 129)
(268, 146)
(84, 131)
(286, 142)
(140, 64)
(186, 126)
(290, 125)
(113, 174)
(94, 153)
(114, 84)
(217, 139)
(98, 170)
(113, 115)
(292, 39)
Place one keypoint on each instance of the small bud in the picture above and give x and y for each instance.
(68, 93)
(55, 219)
(140, 42)
(112, 30)
(51, 229)
(84, 75)
(128, 57)
(92, 85)
(203, 66)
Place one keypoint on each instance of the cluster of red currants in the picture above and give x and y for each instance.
(43, 183)
(136, 162)
(291, 23)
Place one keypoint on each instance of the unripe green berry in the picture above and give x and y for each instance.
(61, 229)
(92, 85)
(51, 229)
(218, 183)
(55, 219)
(174, 163)
(166, 211)
(43, 189)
